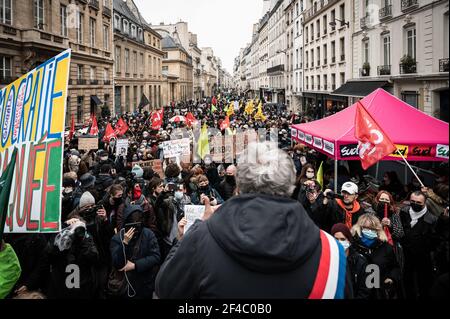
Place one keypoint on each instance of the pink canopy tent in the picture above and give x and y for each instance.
(418, 136)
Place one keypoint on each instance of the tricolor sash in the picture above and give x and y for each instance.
(330, 278)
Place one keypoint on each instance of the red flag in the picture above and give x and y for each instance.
(157, 120)
(373, 142)
(72, 128)
(214, 101)
(109, 133)
(190, 119)
(225, 123)
(121, 127)
(94, 127)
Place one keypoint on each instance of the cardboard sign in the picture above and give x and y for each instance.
(155, 165)
(229, 152)
(122, 147)
(192, 213)
(442, 151)
(216, 147)
(33, 110)
(88, 143)
(176, 148)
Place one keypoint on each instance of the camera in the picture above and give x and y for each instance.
(333, 195)
(89, 214)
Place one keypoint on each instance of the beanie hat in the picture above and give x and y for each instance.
(86, 200)
(138, 171)
(342, 228)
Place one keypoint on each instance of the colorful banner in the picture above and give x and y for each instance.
(32, 118)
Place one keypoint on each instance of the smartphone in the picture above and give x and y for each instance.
(172, 187)
(132, 225)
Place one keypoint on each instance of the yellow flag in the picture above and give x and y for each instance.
(320, 175)
(249, 109)
(230, 110)
(203, 143)
(260, 115)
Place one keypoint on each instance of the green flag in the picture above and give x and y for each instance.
(320, 175)
(5, 189)
(213, 108)
(203, 143)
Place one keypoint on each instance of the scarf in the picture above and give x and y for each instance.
(348, 213)
(415, 216)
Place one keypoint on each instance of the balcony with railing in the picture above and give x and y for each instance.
(275, 69)
(384, 70)
(408, 68)
(94, 4)
(366, 21)
(9, 29)
(94, 82)
(385, 13)
(443, 65)
(107, 11)
(107, 82)
(81, 81)
(408, 5)
(317, 9)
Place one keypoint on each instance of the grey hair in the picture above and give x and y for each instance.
(265, 169)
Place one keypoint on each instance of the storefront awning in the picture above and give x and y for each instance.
(96, 100)
(360, 88)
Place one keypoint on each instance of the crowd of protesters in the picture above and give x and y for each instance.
(123, 224)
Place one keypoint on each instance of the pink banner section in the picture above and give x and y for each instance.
(418, 136)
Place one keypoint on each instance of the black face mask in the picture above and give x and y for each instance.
(231, 179)
(416, 207)
(203, 189)
(117, 201)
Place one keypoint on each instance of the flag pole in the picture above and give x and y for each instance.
(409, 166)
(335, 175)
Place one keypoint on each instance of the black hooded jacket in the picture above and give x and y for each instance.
(254, 246)
(146, 260)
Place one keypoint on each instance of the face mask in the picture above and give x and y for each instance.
(299, 152)
(369, 234)
(416, 207)
(310, 175)
(104, 158)
(380, 208)
(68, 190)
(117, 201)
(137, 192)
(230, 179)
(345, 244)
(178, 195)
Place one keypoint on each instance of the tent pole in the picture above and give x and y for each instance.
(409, 166)
(377, 170)
(335, 175)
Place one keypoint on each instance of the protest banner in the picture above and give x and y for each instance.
(192, 213)
(122, 147)
(174, 148)
(88, 143)
(229, 149)
(33, 110)
(216, 148)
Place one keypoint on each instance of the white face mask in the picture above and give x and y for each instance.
(310, 175)
(104, 158)
(345, 244)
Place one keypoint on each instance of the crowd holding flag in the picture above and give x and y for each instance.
(94, 126)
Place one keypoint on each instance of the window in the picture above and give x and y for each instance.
(125, 29)
(306, 34)
(366, 51)
(342, 75)
(318, 82)
(63, 20)
(333, 52)
(318, 56)
(296, 28)
(135, 62)
(333, 81)
(325, 54)
(342, 12)
(92, 27)
(135, 96)
(6, 11)
(411, 97)
(39, 14)
(318, 28)
(80, 72)
(5, 67)
(127, 61)
(117, 22)
(325, 80)
(342, 44)
(127, 98)
(92, 73)
(80, 109)
(387, 50)
(150, 65)
(333, 19)
(325, 24)
(133, 31)
(106, 37)
(141, 63)
(106, 75)
(411, 42)
(80, 22)
(118, 59)
(140, 35)
(154, 66)
(312, 32)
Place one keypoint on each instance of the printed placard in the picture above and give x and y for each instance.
(442, 151)
(328, 147)
(308, 138)
(294, 132)
(122, 147)
(318, 142)
(301, 136)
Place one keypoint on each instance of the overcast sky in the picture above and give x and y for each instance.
(224, 25)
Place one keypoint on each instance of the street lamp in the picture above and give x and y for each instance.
(333, 23)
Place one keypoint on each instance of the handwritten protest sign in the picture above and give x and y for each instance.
(216, 148)
(176, 148)
(155, 165)
(88, 143)
(192, 213)
(33, 110)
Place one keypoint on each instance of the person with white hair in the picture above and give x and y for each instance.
(259, 244)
